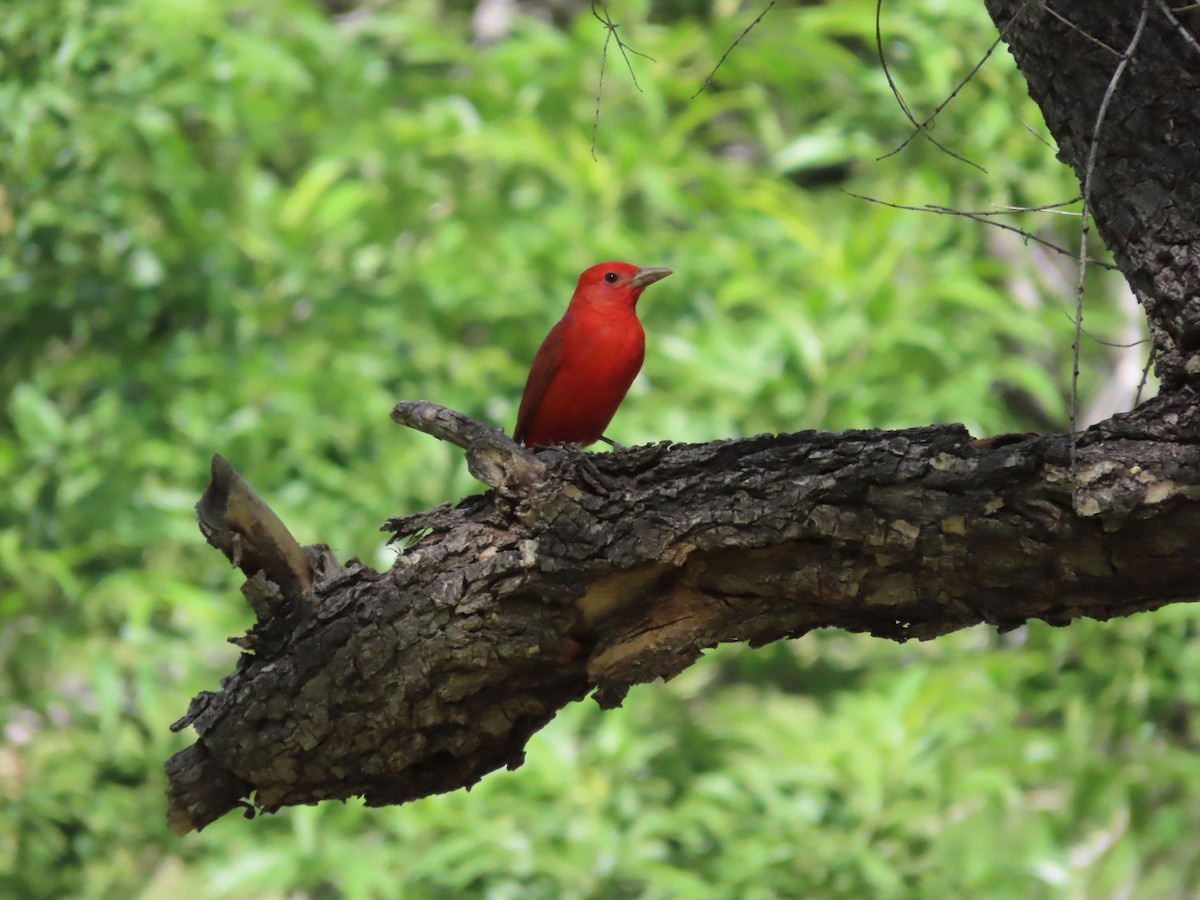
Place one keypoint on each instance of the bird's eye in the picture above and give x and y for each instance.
(610, 277)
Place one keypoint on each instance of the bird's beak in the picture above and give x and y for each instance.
(644, 277)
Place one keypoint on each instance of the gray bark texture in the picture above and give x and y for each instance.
(584, 574)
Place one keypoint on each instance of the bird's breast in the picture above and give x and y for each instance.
(606, 349)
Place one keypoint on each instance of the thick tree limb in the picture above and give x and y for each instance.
(621, 568)
(593, 573)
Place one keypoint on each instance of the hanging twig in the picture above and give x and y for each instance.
(900, 99)
(725, 55)
(923, 126)
(611, 27)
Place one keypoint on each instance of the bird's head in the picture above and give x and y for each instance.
(616, 284)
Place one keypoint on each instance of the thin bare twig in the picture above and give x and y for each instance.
(1137, 398)
(1187, 35)
(887, 73)
(945, 211)
(1095, 40)
(928, 120)
(1056, 208)
(725, 55)
(883, 63)
(1117, 345)
(1030, 130)
(962, 84)
(611, 27)
(1027, 236)
(1084, 212)
(1101, 341)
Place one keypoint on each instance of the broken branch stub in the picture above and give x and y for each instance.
(492, 457)
(235, 520)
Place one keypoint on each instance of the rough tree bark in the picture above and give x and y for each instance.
(578, 574)
(1143, 189)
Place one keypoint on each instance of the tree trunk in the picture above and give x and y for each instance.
(1144, 188)
(582, 573)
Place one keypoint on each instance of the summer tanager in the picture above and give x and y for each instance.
(588, 360)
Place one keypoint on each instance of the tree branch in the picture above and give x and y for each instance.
(616, 569)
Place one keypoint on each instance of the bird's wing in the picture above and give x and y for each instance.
(545, 363)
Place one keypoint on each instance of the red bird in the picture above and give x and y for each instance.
(588, 360)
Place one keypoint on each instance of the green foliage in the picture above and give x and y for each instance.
(250, 228)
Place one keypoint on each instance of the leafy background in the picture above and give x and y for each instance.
(251, 228)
